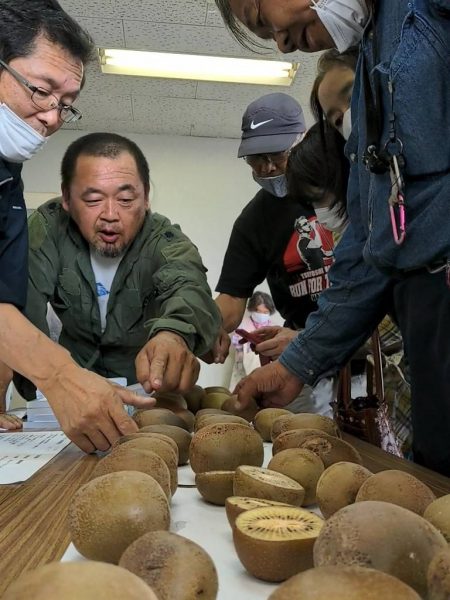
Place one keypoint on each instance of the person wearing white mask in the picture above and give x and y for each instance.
(43, 53)
(395, 253)
(331, 94)
(267, 241)
(260, 308)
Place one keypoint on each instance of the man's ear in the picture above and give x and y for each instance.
(65, 198)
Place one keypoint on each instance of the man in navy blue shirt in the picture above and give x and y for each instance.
(43, 53)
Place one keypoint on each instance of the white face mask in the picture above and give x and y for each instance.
(18, 140)
(277, 186)
(343, 19)
(347, 124)
(331, 219)
(260, 318)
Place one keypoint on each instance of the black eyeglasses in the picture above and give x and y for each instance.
(44, 99)
(275, 158)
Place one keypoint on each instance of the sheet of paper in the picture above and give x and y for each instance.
(24, 453)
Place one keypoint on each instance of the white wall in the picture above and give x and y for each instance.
(197, 182)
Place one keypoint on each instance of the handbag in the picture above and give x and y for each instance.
(366, 417)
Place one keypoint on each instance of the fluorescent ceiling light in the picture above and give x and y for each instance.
(192, 66)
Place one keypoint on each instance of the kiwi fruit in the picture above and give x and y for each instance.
(162, 448)
(215, 399)
(248, 413)
(181, 437)
(225, 446)
(157, 416)
(124, 458)
(328, 448)
(108, 513)
(213, 419)
(343, 583)
(303, 466)
(398, 488)
(235, 505)
(215, 486)
(210, 411)
(170, 400)
(194, 398)
(303, 421)
(381, 536)
(438, 576)
(264, 420)
(274, 543)
(213, 389)
(438, 514)
(88, 580)
(338, 486)
(135, 436)
(173, 566)
(256, 482)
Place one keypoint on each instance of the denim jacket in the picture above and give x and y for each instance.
(413, 52)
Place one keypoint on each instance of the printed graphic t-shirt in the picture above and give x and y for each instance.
(105, 269)
(278, 239)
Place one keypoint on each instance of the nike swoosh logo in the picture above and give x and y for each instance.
(256, 125)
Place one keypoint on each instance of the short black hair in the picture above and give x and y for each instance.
(318, 166)
(109, 145)
(329, 60)
(258, 298)
(23, 21)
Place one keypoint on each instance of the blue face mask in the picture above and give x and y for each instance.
(277, 186)
(18, 140)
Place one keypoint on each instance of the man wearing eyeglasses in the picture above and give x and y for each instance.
(266, 241)
(43, 53)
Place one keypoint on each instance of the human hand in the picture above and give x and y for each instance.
(166, 364)
(10, 422)
(89, 408)
(274, 340)
(271, 386)
(219, 351)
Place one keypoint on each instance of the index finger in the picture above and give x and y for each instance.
(158, 367)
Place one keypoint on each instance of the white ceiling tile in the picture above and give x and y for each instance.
(213, 17)
(146, 105)
(188, 12)
(105, 32)
(94, 107)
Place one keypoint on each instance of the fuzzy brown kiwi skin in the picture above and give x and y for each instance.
(328, 448)
(438, 576)
(339, 485)
(303, 466)
(175, 567)
(304, 421)
(181, 437)
(215, 486)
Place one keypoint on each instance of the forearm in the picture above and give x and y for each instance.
(25, 349)
(232, 310)
(5, 379)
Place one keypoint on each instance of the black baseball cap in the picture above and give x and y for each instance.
(271, 124)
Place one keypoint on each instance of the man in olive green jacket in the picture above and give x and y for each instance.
(128, 286)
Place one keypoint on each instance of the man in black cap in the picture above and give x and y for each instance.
(266, 241)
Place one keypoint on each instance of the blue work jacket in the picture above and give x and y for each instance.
(413, 53)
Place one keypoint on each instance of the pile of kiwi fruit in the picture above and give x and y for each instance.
(316, 521)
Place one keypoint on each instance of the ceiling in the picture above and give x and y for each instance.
(173, 107)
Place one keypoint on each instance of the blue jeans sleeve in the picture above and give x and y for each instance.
(358, 298)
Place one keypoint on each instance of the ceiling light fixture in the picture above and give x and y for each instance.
(201, 68)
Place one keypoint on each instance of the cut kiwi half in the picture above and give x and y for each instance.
(276, 542)
(256, 482)
(235, 505)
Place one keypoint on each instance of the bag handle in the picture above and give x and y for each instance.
(375, 383)
(375, 371)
